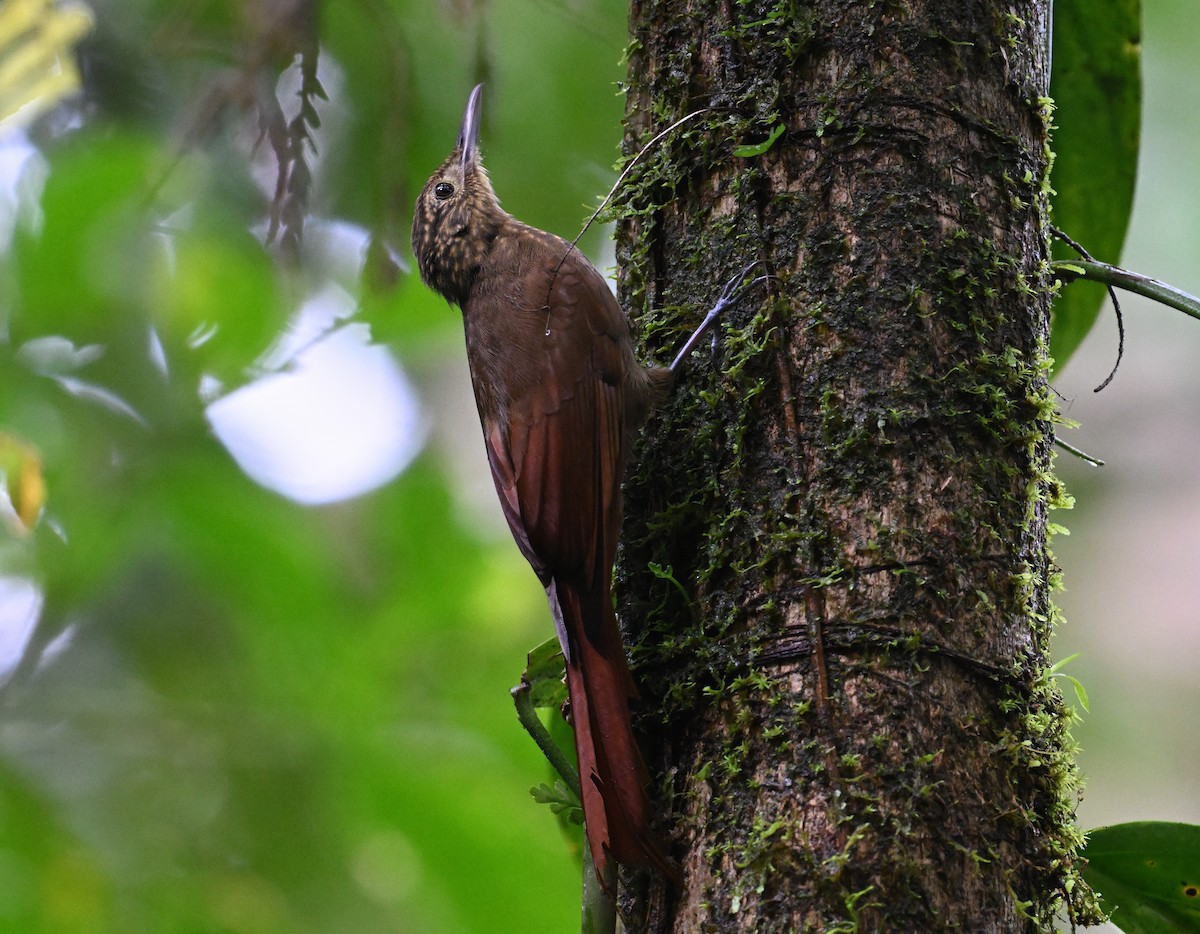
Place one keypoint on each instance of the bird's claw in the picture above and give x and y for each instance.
(733, 290)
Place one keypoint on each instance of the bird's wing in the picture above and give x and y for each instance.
(557, 452)
(556, 447)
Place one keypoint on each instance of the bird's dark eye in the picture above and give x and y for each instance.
(443, 190)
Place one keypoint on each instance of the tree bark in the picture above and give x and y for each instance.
(835, 568)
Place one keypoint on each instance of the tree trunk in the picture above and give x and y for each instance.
(835, 569)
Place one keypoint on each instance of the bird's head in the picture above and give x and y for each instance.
(457, 214)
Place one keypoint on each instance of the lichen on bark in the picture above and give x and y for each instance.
(856, 480)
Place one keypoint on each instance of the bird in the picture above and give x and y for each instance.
(560, 395)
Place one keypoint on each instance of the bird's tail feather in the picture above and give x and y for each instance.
(612, 774)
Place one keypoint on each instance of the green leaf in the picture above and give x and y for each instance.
(757, 149)
(1056, 671)
(1080, 692)
(216, 295)
(77, 269)
(1147, 874)
(544, 671)
(1096, 86)
(562, 800)
(1063, 663)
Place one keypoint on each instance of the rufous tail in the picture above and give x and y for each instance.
(612, 774)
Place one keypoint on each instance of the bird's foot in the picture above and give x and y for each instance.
(733, 291)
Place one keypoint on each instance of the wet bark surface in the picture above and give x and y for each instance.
(835, 572)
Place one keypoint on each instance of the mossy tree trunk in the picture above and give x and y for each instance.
(849, 711)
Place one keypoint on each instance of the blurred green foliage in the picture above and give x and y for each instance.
(236, 713)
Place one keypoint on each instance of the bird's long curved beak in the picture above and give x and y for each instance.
(468, 136)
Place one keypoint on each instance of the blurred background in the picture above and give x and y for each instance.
(1132, 561)
(255, 656)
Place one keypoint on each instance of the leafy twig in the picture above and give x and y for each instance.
(527, 714)
(1082, 455)
(1116, 306)
(1069, 270)
(599, 907)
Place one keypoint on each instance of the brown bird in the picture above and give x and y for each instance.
(560, 395)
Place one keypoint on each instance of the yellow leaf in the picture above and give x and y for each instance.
(22, 466)
(37, 66)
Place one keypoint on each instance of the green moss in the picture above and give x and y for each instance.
(1039, 745)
